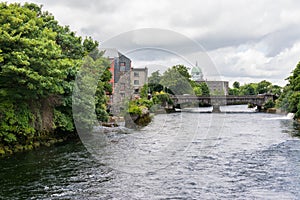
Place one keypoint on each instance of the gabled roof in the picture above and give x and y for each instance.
(122, 55)
(110, 52)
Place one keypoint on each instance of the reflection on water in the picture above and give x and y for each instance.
(178, 156)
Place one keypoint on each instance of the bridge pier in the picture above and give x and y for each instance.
(216, 109)
(259, 108)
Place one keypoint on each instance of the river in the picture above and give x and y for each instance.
(187, 155)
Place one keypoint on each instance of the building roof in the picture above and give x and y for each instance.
(196, 70)
(110, 52)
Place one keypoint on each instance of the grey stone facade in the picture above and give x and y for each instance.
(122, 91)
(122, 66)
(217, 87)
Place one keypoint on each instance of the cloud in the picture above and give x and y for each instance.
(246, 62)
(247, 40)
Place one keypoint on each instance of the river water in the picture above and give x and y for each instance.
(187, 155)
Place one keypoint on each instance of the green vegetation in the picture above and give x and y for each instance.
(89, 94)
(162, 98)
(289, 100)
(139, 114)
(176, 80)
(136, 106)
(269, 104)
(38, 63)
(263, 87)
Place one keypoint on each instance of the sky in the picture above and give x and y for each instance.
(232, 40)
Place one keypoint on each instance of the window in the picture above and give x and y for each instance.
(136, 74)
(136, 91)
(122, 68)
(122, 96)
(136, 82)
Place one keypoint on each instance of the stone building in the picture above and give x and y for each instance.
(218, 87)
(215, 87)
(121, 83)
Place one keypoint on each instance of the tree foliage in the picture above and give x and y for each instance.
(262, 87)
(154, 78)
(236, 85)
(289, 100)
(39, 60)
(177, 80)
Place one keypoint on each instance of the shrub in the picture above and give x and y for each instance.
(269, 104)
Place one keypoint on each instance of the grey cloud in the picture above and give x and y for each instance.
(266, 26)
(221, 41)
(276, 42)
(88, 6)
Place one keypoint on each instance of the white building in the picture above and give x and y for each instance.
(138, 77)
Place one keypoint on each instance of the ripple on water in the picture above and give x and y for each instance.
(178, 156)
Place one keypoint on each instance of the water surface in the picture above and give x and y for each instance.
(185, 155)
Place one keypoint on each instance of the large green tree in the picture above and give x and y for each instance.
(289, 100)
(263, 87)
(154, 78)
(248, 89)
(39, 60)
(177, 80)
(153, 83)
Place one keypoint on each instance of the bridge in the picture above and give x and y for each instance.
(217, 101)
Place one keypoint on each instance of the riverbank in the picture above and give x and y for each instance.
(6, 150)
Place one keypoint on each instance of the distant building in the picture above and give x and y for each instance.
(215, 87)
(196, 73)
(139, 77)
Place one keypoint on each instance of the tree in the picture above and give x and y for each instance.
(263, 87)
(247, 89)
(28, 49)
(233, 91)
(236, 85)
(283, 100)
(89, 92)
(204, 89)
(275, 90)
(154, 82)
(197, 91)
(175, 81)
(39, 60)
(289, 100)
(269, 104)
(154, 78)
(183, 71)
